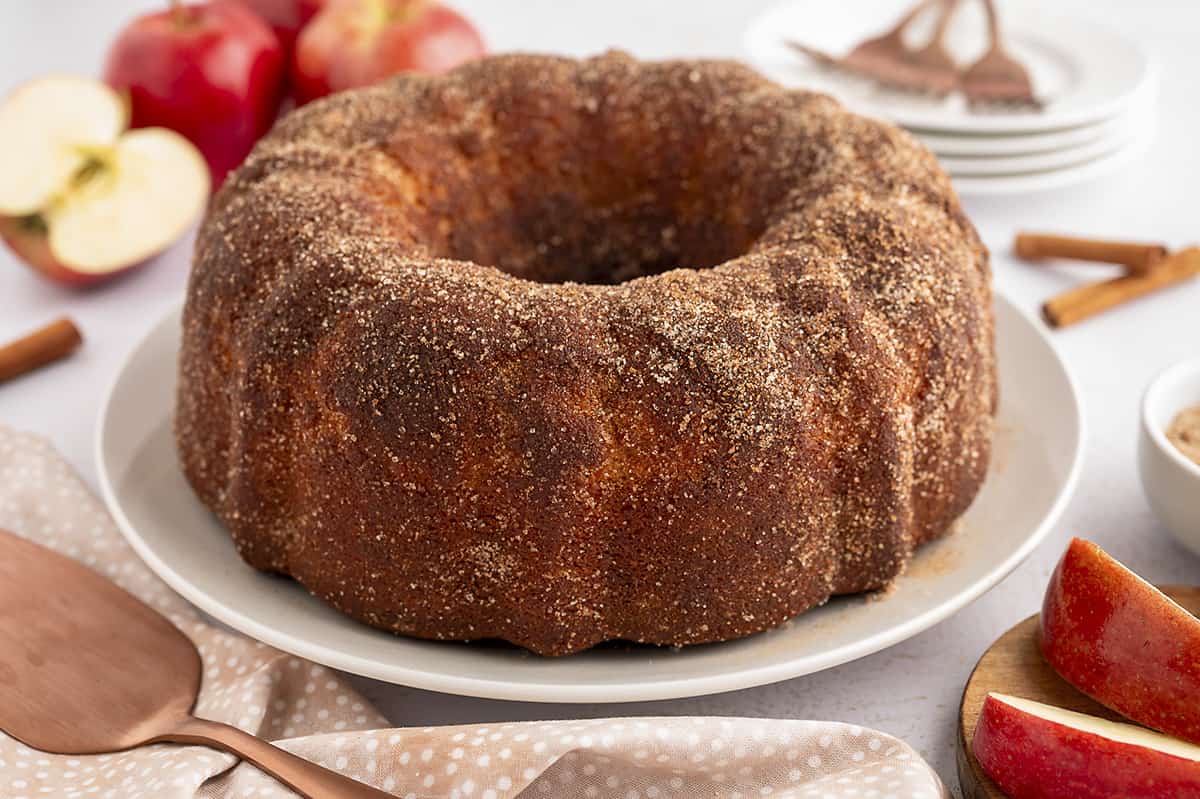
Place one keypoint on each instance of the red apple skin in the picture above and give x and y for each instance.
(336, 51)
(286, 17)
(34, 249)
(1122, 642)
(1029, 757)
(212, 72)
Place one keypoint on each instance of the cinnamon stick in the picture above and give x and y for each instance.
(45, 345)
(1139, 258)
(1087, 301)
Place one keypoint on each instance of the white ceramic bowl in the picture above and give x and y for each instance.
(1171, 481)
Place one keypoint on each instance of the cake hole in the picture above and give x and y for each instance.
(575, 188)
(560, 237)
(571, 209)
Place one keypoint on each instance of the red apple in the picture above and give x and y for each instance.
(1035, 751)
(1122, 641)
(82, 199)
(286, 17)
(212, 72)
(358, 42)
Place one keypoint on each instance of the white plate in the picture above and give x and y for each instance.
(1034, 469)
(982, 166)
(982, 144)
(1084, 71)
(1048, 179)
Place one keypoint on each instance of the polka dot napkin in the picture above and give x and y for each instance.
(314, 713)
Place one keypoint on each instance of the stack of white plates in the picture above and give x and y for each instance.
(1096, 86)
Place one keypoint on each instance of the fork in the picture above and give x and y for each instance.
(997, 78)
(887, 59)
(938, 69)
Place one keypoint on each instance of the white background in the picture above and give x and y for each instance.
(912, 689)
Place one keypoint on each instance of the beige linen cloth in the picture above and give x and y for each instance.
(311, 711)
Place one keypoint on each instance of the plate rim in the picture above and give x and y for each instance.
(1128, 123)
(1010, 163)
(975, 185)
(986, 123)
(542, 692)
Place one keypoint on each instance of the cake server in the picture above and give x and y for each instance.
(86, 668)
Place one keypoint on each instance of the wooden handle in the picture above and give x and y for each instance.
(1138, 257)
(45, 345)
(307, 779)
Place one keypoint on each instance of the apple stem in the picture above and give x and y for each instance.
(180, 13)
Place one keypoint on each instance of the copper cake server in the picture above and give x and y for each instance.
(86, 668)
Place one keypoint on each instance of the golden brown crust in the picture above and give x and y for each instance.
(583, 442)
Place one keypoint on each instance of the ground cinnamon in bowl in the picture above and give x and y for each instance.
(1184, 433)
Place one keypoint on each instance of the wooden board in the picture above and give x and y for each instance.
(1013, 665)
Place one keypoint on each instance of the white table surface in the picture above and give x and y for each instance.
(912, 689)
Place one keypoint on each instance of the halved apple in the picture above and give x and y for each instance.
(1122, 642)
(81, 198)
(1036, 751)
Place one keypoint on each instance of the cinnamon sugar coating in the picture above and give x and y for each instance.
(562, 351)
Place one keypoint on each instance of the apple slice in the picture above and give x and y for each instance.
(1035, 751)
(1122, 642)
(49, 126)
(86, 200)
(152, 187)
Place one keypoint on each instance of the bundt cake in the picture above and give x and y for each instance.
(561, 351)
